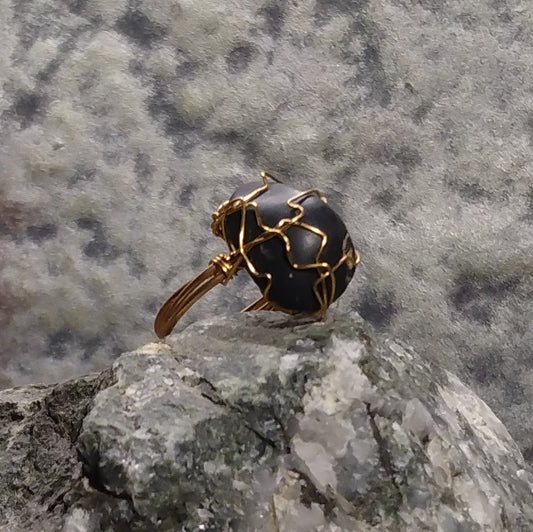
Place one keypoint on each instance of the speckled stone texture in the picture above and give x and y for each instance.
(124, 124)
(298, 427)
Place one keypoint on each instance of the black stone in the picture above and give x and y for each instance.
(292, 270)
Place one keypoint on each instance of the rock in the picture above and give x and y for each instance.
(39, 428)
(259, 422)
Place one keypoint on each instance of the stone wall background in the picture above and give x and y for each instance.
(124, 125)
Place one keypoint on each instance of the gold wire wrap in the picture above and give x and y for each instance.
(224, 267)
(220, 270)
(260, 304)
(350, 256)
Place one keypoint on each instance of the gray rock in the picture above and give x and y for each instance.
(259, 422)
(39, 427)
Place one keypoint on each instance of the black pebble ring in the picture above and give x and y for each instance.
(295, 247)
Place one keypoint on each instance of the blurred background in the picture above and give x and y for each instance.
(125, 123)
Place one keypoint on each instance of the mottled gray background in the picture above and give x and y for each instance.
(125, 123)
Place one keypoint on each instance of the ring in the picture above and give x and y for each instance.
(294, 246)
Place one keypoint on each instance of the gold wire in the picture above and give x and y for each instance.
(325, 269)
(223, 267)
(219, 271)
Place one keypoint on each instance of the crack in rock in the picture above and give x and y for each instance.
(385, 457)
(217, 400)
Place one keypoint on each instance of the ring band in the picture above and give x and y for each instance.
(293, 245)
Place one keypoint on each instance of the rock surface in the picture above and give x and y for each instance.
(259, 422)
